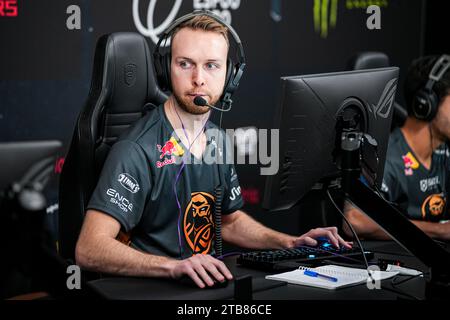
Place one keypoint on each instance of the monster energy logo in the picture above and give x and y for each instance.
(363, 4)
(325, 16)
(325, 12)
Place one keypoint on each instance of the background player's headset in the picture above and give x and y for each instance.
(162, 62)
(426, 102)
(234, 70)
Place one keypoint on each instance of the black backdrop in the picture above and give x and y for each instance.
(45, 67)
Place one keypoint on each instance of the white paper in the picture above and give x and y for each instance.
(346, 276)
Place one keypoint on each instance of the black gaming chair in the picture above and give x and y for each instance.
(123, 86)
(372, 60)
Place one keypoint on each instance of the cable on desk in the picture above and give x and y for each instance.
(396, 283)
(351, 228)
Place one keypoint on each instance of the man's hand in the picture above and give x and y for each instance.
(329, 232)
(202, 269)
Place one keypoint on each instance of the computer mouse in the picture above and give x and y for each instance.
(323, 242)
(189, 282)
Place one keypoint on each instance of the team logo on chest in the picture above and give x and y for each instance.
(433, 207)
(198, 222)
(168, 151)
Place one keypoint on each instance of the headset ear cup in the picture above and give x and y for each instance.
(230, 73)
(157, 61)
(161, 72)
(166, 67)
(421, 106)
(434, 104)
(228, 78)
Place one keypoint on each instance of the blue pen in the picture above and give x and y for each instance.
(320, 275)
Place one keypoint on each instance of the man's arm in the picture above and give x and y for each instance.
(98, 250)
(434, 229)
(242, 230)
(367, 228)
(362, 224)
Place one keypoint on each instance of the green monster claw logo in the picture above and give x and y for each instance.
(323, 19)
(325, 12)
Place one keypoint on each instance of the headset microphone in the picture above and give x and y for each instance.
(199, 101)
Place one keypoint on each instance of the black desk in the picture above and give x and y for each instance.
(167, 289)
(162, 289)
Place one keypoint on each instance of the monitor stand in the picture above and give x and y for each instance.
(391, 220)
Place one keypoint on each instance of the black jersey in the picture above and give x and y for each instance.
(159, 191)
(420, 192)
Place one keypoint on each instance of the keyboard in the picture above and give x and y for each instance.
(288, 259)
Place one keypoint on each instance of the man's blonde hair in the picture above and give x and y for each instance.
(203, 22)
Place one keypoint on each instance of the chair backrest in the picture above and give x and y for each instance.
(368, 60)
(123, 82)
(373, 60)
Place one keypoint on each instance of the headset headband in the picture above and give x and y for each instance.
(437, 71)
(177, 22)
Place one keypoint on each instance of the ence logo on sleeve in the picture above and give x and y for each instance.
(123, 203)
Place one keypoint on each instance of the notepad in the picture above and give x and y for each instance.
(346, 276)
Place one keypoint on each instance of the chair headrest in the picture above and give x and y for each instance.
(369, 60)
(126, 74)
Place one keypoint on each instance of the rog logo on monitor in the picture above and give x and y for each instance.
(384, 105)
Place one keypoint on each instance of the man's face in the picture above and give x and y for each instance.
(441, 122)
(198, 68)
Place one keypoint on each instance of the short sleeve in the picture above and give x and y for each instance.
(123, 185)
(390, 187)
(392, 190)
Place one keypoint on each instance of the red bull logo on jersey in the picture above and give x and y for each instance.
(165, 162)
(170, 149)
(410, 163)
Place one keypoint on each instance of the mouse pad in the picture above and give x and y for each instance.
(128, 288)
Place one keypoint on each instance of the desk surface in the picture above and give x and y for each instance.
(162, 289)
(167, 289)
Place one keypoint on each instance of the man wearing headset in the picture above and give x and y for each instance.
(148, 188)
(416, 170)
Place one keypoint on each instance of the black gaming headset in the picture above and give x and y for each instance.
(234, 71)
(425, 102)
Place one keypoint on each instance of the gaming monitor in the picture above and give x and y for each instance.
(16, 159)
(314, 110)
